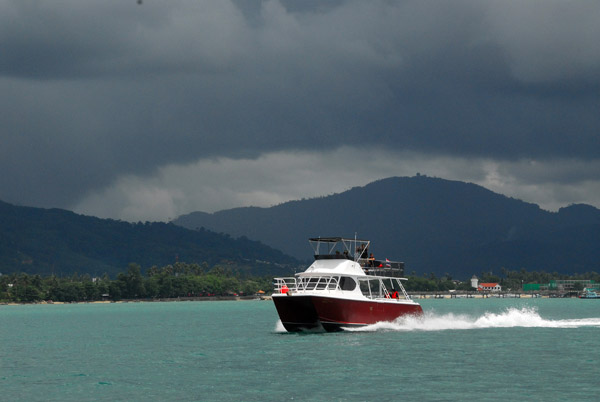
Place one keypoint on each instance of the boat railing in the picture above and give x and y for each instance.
(372, 288)
(304, 284)
(376, 288)
(382, 267)
(284, 285)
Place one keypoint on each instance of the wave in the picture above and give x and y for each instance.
(510, 318)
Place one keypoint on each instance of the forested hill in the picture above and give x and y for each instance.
(434, 225)
(46, 241)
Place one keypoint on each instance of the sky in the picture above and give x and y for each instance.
(147, 110)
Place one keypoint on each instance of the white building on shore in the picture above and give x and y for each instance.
(485, 287)
(489, 287)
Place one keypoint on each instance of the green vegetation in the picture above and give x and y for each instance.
(516, 279)
(429, 283)
(170, 281)
(431, 224)
(58, 242)
(200, 280)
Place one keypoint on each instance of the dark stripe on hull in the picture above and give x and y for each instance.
(297, 313)
(338, 327)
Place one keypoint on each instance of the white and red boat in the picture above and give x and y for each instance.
(344, 287)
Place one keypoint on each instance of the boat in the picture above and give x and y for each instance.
(345, 287)
(589, 294)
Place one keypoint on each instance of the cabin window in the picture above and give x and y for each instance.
(306, 283)
(364, 288)
(347, 283)
(322, 284)
(376, 289)
(312, 283)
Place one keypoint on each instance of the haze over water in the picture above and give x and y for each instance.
(478, 349)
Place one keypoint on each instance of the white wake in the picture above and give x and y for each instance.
(510, 318)
(279, 327)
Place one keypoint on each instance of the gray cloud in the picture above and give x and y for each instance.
(212, 185)
(95, 94)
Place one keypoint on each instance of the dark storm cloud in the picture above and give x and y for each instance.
(94, 90)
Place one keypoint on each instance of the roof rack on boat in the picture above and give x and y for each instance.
(355, 250)
(336, 240)
(339, 247)
(391, 268)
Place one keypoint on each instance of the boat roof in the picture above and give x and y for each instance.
(317, 274)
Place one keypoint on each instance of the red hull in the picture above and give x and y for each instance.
(332, 314)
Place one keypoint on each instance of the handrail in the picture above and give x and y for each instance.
(406, 296)
(289, 282)
(386, 294)
(304, 284)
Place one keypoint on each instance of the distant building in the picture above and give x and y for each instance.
(561, 285)
(489, 287)
(572, 284)
(474, 282)
(532, 287)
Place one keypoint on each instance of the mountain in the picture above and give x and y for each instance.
(432, 224)
(45, 241)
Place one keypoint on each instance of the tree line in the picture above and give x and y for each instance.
(198, 280)
(170, 281)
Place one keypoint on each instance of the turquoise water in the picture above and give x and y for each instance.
(463, 349)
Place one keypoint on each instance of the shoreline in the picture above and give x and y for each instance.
(174, 299)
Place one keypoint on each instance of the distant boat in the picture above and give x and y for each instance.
(342, 289)
(589, 294)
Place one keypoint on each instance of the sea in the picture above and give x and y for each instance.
(460, 350)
